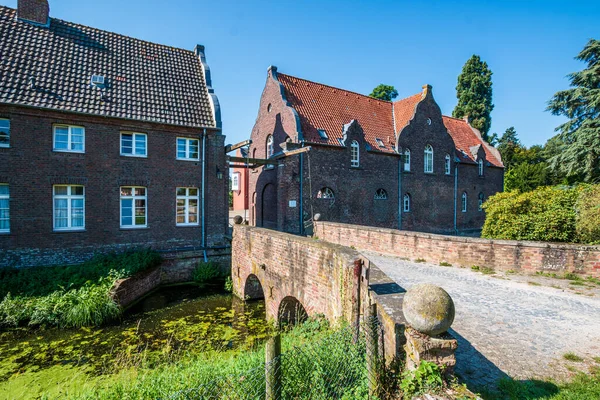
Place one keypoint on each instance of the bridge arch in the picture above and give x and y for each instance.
(253, 289)
(291, 311)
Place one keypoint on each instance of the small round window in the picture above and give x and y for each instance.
(428, 121)
(269, 107)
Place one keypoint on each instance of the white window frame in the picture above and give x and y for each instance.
(407, 160)
(187, 197)
(133, 197)
(134, 136)
(7, 121)
(326, 193)
(406, 203)
(381, 194)
(464, 199)
(428, 159)
(480, 166)
(354, 154)
(69, 197)
(187, 149)
(7, 198)
(447, 165)
(235, 181)
(69, 138)
(480, 200)
(269, 150)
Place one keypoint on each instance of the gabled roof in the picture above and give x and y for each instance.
(324, 107)
(404, 110)
(465, 138)
(145, 81)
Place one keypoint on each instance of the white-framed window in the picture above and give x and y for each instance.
(406, 203)
(480, 165)
(380, 194)
(447, 165)
(323, 134)
(325, 193)
(187, 206)
(269, 150)
(4, 132)
(69, 207)
(480, 202)
(69, 138)
(188, 149)
(134, 210)
(134, 144)
(4, 208)
(407, 160)
(464, 202)
(354, 154)
(235, 181)
(428, 164)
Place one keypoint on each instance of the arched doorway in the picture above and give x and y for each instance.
(269, 207)
(253, 290)
(291, 312)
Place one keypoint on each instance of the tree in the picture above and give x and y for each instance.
(384, 92)
(508, 146)
(474, 93)
(579, 138)
(525, 177)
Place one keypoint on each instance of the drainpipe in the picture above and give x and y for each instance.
(455, 195)
(400, 166)
(301, 207)
(203, 188)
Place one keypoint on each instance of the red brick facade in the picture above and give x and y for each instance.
(286, 196)
(30, 167)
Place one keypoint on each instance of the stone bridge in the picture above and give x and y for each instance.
(299, 277)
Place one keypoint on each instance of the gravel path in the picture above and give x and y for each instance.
(507, 327)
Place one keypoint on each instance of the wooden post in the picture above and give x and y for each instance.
(372, 337)
(273, 368)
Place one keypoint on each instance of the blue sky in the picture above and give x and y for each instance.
(529, 45)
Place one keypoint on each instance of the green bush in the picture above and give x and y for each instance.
(544, 214)
(588, 215)
(68, 296)
(206, 272)
(427, 377)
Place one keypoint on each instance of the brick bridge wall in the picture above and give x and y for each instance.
(502, 255)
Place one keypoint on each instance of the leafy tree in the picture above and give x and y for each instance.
(525, 177)
(474, 93)
(579, 138)
(384, 92)
(508, 145)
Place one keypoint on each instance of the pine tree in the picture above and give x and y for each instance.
(474, 93)
(579, 138)
(508, 146)
(384, 92)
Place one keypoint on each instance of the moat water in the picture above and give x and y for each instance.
(169, 323)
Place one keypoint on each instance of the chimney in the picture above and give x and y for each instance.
(34, 11)
(427, 89)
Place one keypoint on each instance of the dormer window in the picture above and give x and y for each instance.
(407, 160)
(480, 162)
(323, 134)
(98, 81)
(380, 143)
(447, 164)
(354, 154)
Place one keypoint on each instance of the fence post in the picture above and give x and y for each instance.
(273, 368)
(372, 337)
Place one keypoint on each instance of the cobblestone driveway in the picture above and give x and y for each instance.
(507, 327)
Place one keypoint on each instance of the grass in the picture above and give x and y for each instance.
(420, 260)
(533, 283)
(572, 357)
(445, 264)
(67, 296)
(483, 270)
(596, 359)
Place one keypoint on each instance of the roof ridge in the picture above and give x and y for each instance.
(406, 98)
(337, 88)
(458, 119)
(110, 32)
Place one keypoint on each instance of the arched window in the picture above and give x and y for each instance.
(325, 193)
(407, 160)
(406, 203)
(480, 162)
(447, 165)
(380, 194)
(270, 149)
(464, 202)
(428, 159)
(480, 202)
(354, 154)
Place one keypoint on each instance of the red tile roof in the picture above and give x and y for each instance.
(328, 108)
(324, 107)
(465, 137)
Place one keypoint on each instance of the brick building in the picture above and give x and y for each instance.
(106, 143)
(354, 171)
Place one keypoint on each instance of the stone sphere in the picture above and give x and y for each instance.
(317, 217)
(428, 309)
(238, 219)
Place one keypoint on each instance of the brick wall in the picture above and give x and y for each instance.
(502, 255)
(31, 168)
